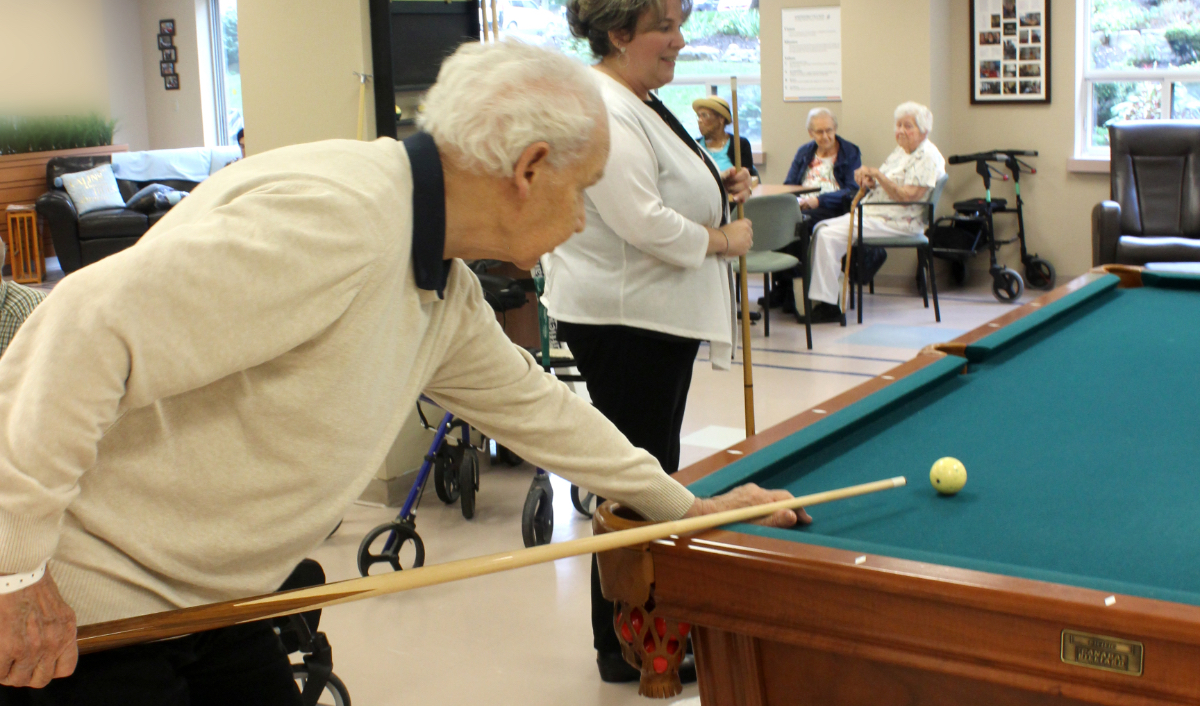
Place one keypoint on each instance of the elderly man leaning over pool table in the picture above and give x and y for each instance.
(184, 421)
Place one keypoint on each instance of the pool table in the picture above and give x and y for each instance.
(1067, 571)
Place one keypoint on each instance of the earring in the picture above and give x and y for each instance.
(624, 60)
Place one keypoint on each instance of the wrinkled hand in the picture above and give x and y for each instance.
(737, 184)
(37, 636)
(866, 176)
(741, 237)
(747, 495)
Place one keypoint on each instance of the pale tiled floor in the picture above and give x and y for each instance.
(524, 636)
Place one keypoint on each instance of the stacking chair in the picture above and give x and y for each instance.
(775, 220)
(917, 241)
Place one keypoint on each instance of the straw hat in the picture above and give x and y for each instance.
(716, 105)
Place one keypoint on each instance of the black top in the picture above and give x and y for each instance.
(672, 122)
(430, 268)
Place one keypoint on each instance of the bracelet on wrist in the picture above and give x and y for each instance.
(722, 231)
(15, 582)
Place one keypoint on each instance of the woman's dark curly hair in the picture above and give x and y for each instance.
(594, 19)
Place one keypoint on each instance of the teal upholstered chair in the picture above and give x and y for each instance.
(775, 220)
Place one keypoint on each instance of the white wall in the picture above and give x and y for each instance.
(52, 59)
(126, 73)
(918, 50)
(298, 59)
(1058, 203)
(177, 118)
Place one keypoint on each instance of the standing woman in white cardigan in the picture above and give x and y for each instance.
(645, 282)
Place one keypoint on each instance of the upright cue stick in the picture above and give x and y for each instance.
(483, 13)
(747, 367)
(862, 191)
(495, 21)
(158, 626)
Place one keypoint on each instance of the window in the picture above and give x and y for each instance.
(722, 41)
(1139, 60)
(227, 72)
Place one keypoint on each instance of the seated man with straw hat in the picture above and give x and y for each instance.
(183, 421)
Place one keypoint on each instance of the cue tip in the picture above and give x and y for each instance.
(899, 481)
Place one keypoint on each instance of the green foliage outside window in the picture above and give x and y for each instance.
(737, 23)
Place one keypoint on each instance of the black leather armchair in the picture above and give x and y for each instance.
(1154, 214)
(82, 240)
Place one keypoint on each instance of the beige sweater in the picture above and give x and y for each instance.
(184, 421)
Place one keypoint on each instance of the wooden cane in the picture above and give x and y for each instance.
(862, 191)
(158, 626)
(747, 366)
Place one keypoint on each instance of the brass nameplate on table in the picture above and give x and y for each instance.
(1112, 654)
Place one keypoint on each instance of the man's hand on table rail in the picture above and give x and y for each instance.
(745, 496)
(37, 636)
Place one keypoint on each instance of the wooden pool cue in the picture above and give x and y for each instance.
(362, 101)
(495, 21)
(862, 191)
(483, 13)
(158, 626)
(747, 366)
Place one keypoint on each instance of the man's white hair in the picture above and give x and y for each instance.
(921, 115)
(493, 100)
(817, 113)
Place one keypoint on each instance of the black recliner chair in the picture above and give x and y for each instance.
(81, 240)
(1154, 214)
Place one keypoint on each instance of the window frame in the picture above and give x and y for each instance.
(1086, 77)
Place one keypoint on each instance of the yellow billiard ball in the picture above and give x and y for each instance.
(948, 475)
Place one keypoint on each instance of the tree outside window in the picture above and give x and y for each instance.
(1141, 62)
(722, 41)
(227, 69)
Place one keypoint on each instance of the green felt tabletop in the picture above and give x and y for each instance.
(1080, 432)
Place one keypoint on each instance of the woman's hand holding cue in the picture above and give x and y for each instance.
(732, 239)
(737, 183)
(745, 496)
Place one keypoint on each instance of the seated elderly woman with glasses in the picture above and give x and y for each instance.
(907, 176)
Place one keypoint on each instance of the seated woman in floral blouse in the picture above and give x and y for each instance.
(907, 175)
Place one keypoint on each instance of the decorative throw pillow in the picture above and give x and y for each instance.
(94, 189)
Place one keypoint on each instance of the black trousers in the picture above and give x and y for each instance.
(639, 380)
(243, 664)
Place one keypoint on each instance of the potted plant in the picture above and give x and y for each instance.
(26, 144)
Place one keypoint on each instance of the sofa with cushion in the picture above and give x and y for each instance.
(126, 195)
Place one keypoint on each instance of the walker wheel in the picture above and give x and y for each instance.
(1007, 285)
(584, 501)
(446, 464)
(1039, 274)
(334, 693)
(401, 547)
(537, 519)
(468, 483)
